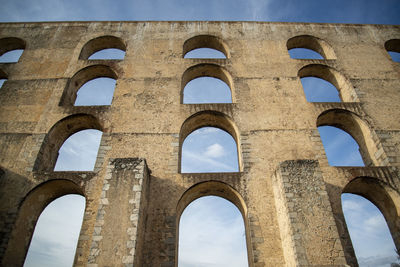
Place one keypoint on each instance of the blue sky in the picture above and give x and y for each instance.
(209, 150)
(214, 145)
(341, 11)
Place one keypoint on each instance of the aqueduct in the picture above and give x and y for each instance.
(288, 194)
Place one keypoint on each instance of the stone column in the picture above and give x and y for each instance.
(307, 226)
(118, 233)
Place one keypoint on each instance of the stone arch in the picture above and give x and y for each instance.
(29, 210)
(384, 197)
(209, 119)
(354, 126)
(206, 70)
(100, 43)
(81, 77)
(329, 74)
(205, 41)
(63, 129)
(393, 49)
(393, 45)
(213, 188)
(11, 43)
(313, 43)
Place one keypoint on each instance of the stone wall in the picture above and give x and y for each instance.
(288, 194)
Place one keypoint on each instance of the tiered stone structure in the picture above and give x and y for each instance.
(288, 194)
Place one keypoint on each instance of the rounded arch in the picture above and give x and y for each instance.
(206, 70)
(29, 211)
(205, 41)
(56, 136)
(393, 49)
(213, 188)
(81, 77)
(209, 119)
(393, 45)
(356, 127)
(313, 43)
(329, 74)
(382, 196)
(100, 43)
(11, 43)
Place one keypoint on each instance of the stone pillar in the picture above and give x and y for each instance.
(118, 232)
(307, 226)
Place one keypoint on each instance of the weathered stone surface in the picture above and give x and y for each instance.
(287, 192)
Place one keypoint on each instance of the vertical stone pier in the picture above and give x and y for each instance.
(119, 222)
(307, 226)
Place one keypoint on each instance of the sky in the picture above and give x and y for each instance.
(53, 244)
(215, 147)
(209, 149)
(340, 11)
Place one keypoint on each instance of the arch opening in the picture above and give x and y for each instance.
(304, 53)
(79, 151)
(210, 119)
(343, 86)
(205, 53)
(212, 230)
(206, 90)
(82, 77)
(11, 49)
(371, 211)
(312, 43)
(28, 213)
(3, 78)
(209, 149)
(2, 81)
(217, 189)
(319, 90)
(206, 70)
(340, 148)
(395, 56)
(353, 125)
(205, 41)
(11, 56)
(393, 49)
(96, 92)
(104, 43)
(56, 233)
(56, 136)
(108, 54)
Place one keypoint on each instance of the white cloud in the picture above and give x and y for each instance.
(204, 131)
(207, 130)
(191, 159)
(79, 151)
(214, 151)
(56, 233)
(375, 221)
(70, 150)
(368, 229)
(350, 205)
(377, 261)
(209, 149)
(212, 234)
